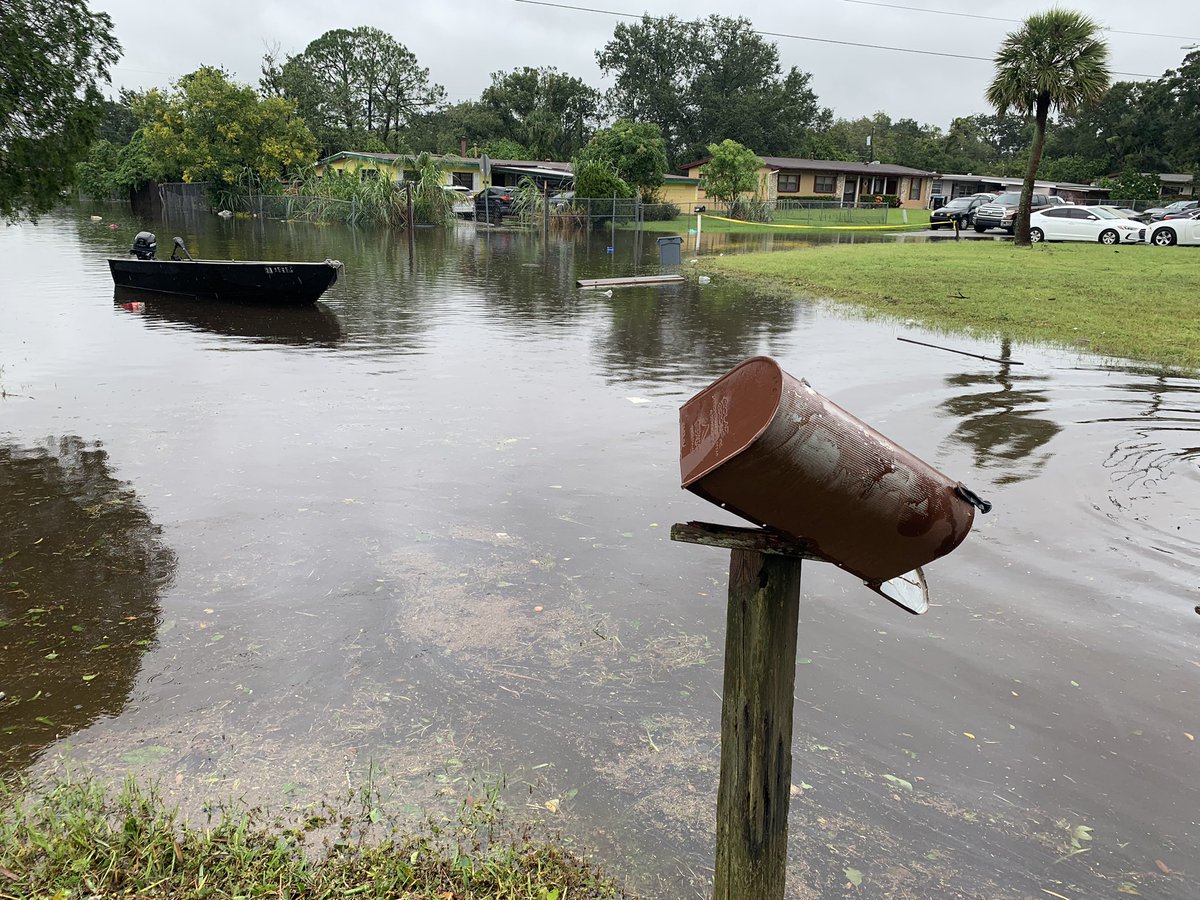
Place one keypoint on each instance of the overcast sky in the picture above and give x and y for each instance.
(463, 41)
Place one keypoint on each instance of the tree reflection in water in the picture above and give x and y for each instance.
(1000, 424)
(81, 572)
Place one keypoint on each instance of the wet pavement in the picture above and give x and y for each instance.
(421, 530)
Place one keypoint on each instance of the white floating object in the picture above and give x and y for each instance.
(97, 218)
(704, 279)
(607, 293)
(636, 400)
(225, 214)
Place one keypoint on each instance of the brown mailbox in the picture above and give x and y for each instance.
(766, 446)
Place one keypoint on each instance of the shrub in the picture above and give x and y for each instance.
(659, 211)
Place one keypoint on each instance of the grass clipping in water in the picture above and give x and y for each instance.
(77, 838)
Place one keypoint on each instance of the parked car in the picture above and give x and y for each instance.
(1002, 212)
(462, 204)
(493, 204)
(1158, 212)
(1175, 231)
(960, 209)
(563, 198)
(1083, 223)
(1127, 213)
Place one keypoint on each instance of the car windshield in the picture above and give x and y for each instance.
(1104, 213)
(1008, 199)
(959, 203)
(1180, 204)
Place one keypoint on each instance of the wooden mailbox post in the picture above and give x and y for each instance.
(756, 707)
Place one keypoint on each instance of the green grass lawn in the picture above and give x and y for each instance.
(1138, 302)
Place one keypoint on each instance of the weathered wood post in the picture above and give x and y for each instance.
(822, 485)
(756, 707)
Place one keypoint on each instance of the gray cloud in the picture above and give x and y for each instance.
(463, 41)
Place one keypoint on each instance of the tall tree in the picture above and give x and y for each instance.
(706, 80)
(210, 129)
(731, 170)
(53, 58)
(549, 112)
(635, 150)
(1055, 61)
(353, 83)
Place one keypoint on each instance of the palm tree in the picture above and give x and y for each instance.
(1054, 61)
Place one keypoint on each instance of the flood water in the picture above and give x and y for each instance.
(420, 534)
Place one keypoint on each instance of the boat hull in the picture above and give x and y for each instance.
(272, 283)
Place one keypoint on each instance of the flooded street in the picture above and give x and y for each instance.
(419, 534)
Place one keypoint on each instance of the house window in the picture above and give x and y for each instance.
(825, 184)
(914, 188)
(790, 183)
(891, 186)
(937, 188)
(462, 179)
(368, 174)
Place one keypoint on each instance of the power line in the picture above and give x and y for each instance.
(963, 15)
(795, 37)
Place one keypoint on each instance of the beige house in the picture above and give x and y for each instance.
(836, 180)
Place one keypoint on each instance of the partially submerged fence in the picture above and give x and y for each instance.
(296, 208)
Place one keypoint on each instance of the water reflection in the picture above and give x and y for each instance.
(1165, 423)
(300, 325)
(660, 331)
(81, 572)
(998, 419)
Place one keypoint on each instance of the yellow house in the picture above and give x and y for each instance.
(682, 190)
(462, 171)
(838, 181)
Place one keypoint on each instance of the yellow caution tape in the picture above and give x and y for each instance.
(814, 227)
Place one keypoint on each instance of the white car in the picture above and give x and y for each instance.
(1184, 230)
(1084, 223)
(462, 205)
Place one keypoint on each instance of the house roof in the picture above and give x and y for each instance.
(826, 165)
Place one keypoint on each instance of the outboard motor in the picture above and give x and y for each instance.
(144, 245)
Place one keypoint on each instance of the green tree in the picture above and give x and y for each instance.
(53, 58)
(210, 129)
(1055, 61)
(549, 112)
(1133, 186)
(351, 83)
(732, 170)
(597, 178)
(636, 151)
(708, 79)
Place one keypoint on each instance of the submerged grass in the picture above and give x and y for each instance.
(78, 838)
(1137, 302)
(917, 218)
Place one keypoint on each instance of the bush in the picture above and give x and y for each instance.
(659, 211)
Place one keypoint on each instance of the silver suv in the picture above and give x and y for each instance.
(1002, 212)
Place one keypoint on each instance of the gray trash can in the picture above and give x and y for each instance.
(670, 250)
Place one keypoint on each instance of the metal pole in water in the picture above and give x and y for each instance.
(699, 217)
(408, 199)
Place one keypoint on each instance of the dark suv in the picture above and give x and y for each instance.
(960, 209)
(1002, 212)
(494, 203)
